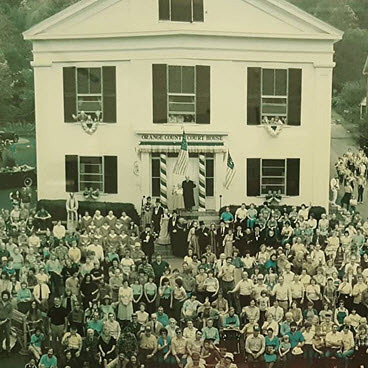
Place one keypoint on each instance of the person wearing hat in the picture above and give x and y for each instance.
(157, 213)
(255, 347)
(147, 239)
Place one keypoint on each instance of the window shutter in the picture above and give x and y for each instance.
(253, 177)
(71, 173)
(203, 94)
(111, 174)
(254, 96)
(109, 94)
(70, 94)
(159, 80)
(293, 176)
(198, 11)
(295, 96)
(164, 10)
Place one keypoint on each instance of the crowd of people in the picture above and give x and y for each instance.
(351, 174)
(269, 286)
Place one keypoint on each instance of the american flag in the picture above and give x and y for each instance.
(230, 171)
(183, 158)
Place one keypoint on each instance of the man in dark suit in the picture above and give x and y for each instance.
(157, 212)
(148, 242)
(203, 237)
(221, 232)
(188, 187)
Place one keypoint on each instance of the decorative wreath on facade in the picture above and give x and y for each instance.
(273, 126)
(273, 197)
(91, 194)
(89, 126)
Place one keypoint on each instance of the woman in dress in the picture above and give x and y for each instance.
(164, 236)
(164, 358)
(107, 346)
(137, 293)
(125, 304)
(165, 292)
(72, 212)
(229, 243)
(193, 238)
(178, 198)
(180, 247)
(150, 294)
(88, 291)
(147, 213)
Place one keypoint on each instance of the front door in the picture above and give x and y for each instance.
(173, 179)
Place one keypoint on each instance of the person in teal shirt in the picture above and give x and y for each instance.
(211, 333)
(24, 297)
(227, 216)
(95, 324)
(162, 317)
(48, 360)
(295, 336)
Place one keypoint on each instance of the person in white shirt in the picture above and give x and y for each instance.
(59, 230)
(283, 294)
(98, 251)
(334, 186)
(276, 311)
(333, 342)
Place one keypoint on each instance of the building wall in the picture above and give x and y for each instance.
(229, 59)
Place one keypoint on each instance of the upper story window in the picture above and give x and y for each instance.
(91, 91)
(274, 94)
(181, 10)
(181, 94)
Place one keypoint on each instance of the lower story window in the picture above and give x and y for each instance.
(273, 176)
(210, 175)
(91, 173)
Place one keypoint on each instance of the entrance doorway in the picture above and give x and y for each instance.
(173, 179)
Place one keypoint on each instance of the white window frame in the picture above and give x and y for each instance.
(102, 173)
(179, 114)
(282, 186)
(78, 95)
(286, 97)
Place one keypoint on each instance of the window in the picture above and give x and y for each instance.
(181, 97)
(273, 176)
(274, 94)
(91, 173)
(181, 10)
(210, 174)
(264, 175)
(155, 174)
(91, 90)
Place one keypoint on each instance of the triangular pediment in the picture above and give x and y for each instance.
(124, 18)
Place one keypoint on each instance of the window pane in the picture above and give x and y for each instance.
(91, 160)
(155, 187)
(174, 79)
(91, 178)
(95, 80)
(274, 181)
(268, 82)
(91, 169)
(181, 107)
(188, 79)
(210, 168)
(89, 104)
(179, 98)
(155, 168)
(82, 80)
(281, 82)
(273, 163)
(181, 10)
(273, 172)
(209, 187)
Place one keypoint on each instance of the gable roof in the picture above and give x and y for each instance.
(41, 30)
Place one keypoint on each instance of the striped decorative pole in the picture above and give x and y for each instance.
(202, 182)
(163, 179)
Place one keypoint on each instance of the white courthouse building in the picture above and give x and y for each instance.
(217, 68)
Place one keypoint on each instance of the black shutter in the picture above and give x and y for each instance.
(71, 173)
(111, 174)
(203, 94)
(254, 96)
(293, 176)
(253, 177)
(70, 94)
(109, 94)
(295, 96)
(198, 11)
(159, 81)
(164, 10)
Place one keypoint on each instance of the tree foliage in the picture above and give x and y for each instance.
(16, 16)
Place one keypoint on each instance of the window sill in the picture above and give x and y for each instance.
(79, 123)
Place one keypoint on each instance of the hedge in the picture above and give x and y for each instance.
(57, 209)
(316, 210)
